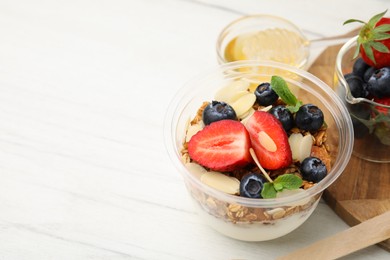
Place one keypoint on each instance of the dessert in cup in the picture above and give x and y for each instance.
(255, 149)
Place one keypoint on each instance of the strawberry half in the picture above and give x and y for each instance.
(373, 42)
(269, 141)
(221, 146)
(384, 101)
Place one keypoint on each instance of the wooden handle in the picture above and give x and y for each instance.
(355, 238)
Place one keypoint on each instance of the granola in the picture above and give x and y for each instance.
(236, 213)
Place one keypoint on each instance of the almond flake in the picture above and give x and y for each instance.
(267, 142)
(221, 182)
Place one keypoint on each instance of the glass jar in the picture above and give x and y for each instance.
(371, 120)
(263, 38)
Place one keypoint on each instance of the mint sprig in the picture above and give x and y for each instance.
(280, 86)
(286, 181)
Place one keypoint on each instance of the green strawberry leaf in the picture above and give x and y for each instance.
(380, 117)
(378, 120)
(357, 50)
(380, 47)
(288, 181)
(379, 36)
(382, 28)
(370, 124)
(268, 191)
(368, 50)
(280, 86)
(352, 21)
(376, 18)
(369, 35)
(383, 134)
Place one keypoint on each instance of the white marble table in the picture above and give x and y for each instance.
(84, 86)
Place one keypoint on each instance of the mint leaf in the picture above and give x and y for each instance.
(288, 181)
(268, 191)
(278, 186)
(279, 85)
(294, 109)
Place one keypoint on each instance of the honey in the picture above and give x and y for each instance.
(274, 44)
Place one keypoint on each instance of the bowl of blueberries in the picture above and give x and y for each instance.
(256, 144)
(365, 90)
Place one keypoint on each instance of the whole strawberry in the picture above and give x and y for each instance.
(373, 42)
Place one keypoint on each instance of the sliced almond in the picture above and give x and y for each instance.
(300, 146)
(192, 130)
(266, 109)
(253, 154)
(196, 169)
(247, 115)
(226, 93)
(276, 213)
(238, 95)
(243, 104)
(295, 140)
(221, 182)
(305, 147)
(267, 142)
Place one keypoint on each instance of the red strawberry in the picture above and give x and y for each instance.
(374, 41)
(272, 154)
(221, 146)
(384, 101)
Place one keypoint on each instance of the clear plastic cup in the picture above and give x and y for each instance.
(371, 127)
(245, 218)
(264, 38)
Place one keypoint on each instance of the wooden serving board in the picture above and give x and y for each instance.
(363, 189)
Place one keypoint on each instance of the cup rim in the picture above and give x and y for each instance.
(220, 53)
(345, 133)
(348, 95)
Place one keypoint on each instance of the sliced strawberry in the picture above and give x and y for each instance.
(384, 101)
(221, 146)
(269, 141)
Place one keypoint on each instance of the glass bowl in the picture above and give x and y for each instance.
(264, 38)
(371, 126)
(245, 218)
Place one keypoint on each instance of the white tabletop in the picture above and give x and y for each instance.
(84, 86)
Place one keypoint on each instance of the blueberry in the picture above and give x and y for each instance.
(356, 85)
(309, 117)
(251, 185)
(265, 95)
(368, 73)
(360, 67)
(313, 169)
(359, 129)
(284, 116)
(359, 112)
(379, 82)
(216, 111)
